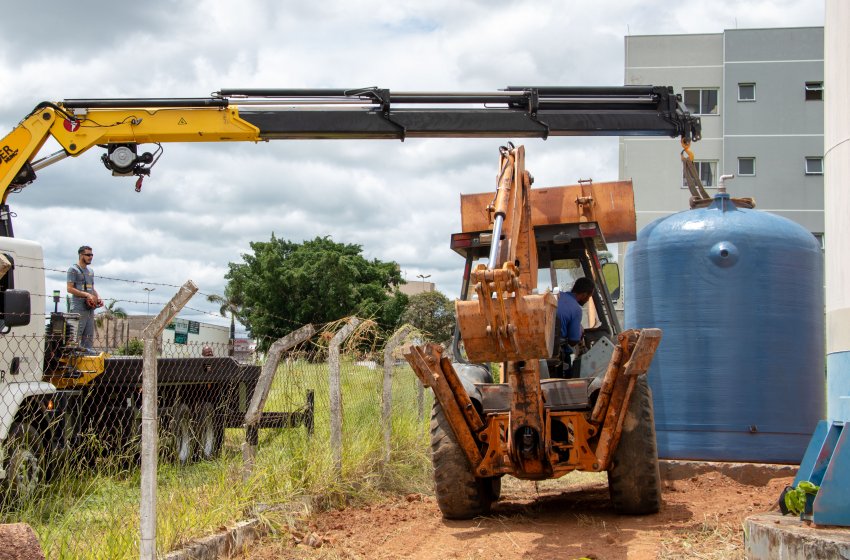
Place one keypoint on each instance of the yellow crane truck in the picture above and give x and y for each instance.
(525, 427)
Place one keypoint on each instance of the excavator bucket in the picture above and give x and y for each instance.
(507, 328)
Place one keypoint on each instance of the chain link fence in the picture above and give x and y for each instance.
(317, 419)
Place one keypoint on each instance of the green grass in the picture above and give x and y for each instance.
(93, 511)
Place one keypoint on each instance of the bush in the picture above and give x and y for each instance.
(134, 347)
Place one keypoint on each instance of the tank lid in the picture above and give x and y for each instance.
(723, 202)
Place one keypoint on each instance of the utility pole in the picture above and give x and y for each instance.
(423, 277)
(149, 290)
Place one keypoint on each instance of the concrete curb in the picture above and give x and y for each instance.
(222, 545)
(752, 474)
(772, 536)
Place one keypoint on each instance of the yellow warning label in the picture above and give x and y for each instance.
(182, 121)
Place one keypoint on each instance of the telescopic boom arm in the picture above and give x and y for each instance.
(254, 115)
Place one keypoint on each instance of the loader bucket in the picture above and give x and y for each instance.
(508, 329)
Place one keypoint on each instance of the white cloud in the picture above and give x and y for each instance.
(205, 203)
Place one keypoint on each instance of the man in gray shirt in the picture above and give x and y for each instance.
(85, 299)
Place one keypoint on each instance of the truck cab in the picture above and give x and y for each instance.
(21, 333)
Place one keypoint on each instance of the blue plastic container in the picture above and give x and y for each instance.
(739, 294)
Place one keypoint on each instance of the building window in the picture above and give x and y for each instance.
(746, 92)
(814, 166)
(701, 101)
(707, 172)
(746, 166)
(814, 91)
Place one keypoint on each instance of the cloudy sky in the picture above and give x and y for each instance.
(204, 203)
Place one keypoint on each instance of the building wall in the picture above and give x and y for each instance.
(779, 128)
(214, 336)
(119, 331)
(414, 287)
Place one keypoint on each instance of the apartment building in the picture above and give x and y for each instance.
(760, 96)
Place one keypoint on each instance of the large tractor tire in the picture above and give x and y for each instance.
(24, 469)
(460, 495)
(633, 477)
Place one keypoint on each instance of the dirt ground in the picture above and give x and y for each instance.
(571, 518)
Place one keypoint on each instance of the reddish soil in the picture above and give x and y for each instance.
(570, 518)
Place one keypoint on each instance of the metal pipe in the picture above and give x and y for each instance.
(587, 90)
(131, 103)
(721, 188)
(496, 243)
(49, 160)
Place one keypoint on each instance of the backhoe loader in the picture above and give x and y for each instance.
(534, 424)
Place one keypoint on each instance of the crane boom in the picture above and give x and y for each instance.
(254, 115)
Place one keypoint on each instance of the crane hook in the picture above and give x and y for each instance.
(686, 152)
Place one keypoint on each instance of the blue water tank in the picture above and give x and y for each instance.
(739, 374)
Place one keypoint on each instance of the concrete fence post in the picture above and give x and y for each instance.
(335, 389)
(261, 392)
(387, 393)
(150, 335)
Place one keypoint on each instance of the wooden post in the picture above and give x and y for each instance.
(261, 392)
(335, 389)
(147, 544)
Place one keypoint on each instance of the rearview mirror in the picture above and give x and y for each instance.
(16, 308)
(611, 274)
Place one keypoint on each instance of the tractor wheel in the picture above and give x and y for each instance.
(633, 478)
(460, 495)
(24, 470)
(181, 440)
(210, 432)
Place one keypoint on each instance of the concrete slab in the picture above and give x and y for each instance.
(223, 544)
(753, 474)
(772, 536)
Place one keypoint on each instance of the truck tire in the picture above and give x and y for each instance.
(24, 470)
(460, 494)
(181, 440)
(209, 431)
(634, 481)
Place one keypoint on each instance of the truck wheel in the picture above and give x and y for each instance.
(633, 478)
(181, 438)
(24, 471)
(210, 432)
(460, 495)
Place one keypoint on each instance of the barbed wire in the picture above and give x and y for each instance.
(328, 325)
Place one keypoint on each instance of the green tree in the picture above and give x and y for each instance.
(282, 285)
(107, 315)
(432, 313)
(226, 306)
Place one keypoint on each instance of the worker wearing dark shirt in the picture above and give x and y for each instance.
(569, 320)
